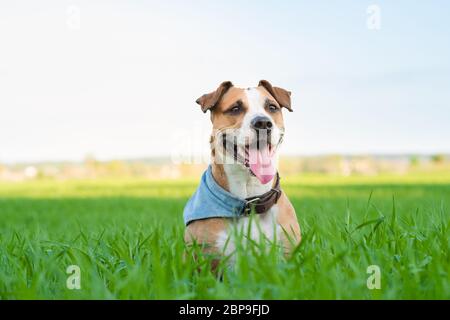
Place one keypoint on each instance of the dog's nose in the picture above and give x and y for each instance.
(261, 123)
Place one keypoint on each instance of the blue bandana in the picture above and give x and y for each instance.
(210, 200)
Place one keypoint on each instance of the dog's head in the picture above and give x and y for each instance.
(247, 125)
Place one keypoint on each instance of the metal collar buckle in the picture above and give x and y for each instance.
(248, 206)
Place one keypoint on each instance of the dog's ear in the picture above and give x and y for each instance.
(209, 100)
(282, 96)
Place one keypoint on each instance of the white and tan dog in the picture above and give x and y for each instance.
(247, 128)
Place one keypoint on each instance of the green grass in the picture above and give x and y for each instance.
(126, 237)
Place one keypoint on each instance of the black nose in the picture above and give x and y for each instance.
(261, 123)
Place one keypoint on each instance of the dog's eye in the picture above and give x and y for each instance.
(235, 110)
(273, 108)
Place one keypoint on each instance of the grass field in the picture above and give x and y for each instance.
(126, 237)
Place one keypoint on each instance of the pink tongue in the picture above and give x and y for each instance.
(261, 164)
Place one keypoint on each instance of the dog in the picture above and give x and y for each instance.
(241, 186)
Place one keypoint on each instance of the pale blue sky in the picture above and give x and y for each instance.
(123, 82)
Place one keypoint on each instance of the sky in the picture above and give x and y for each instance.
(119, 79)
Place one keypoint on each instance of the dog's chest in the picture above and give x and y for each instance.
(257, 228)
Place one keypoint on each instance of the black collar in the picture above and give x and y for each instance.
(264, 202)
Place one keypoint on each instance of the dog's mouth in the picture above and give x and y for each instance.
(258, 156)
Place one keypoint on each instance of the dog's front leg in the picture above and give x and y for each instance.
(204, 234)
